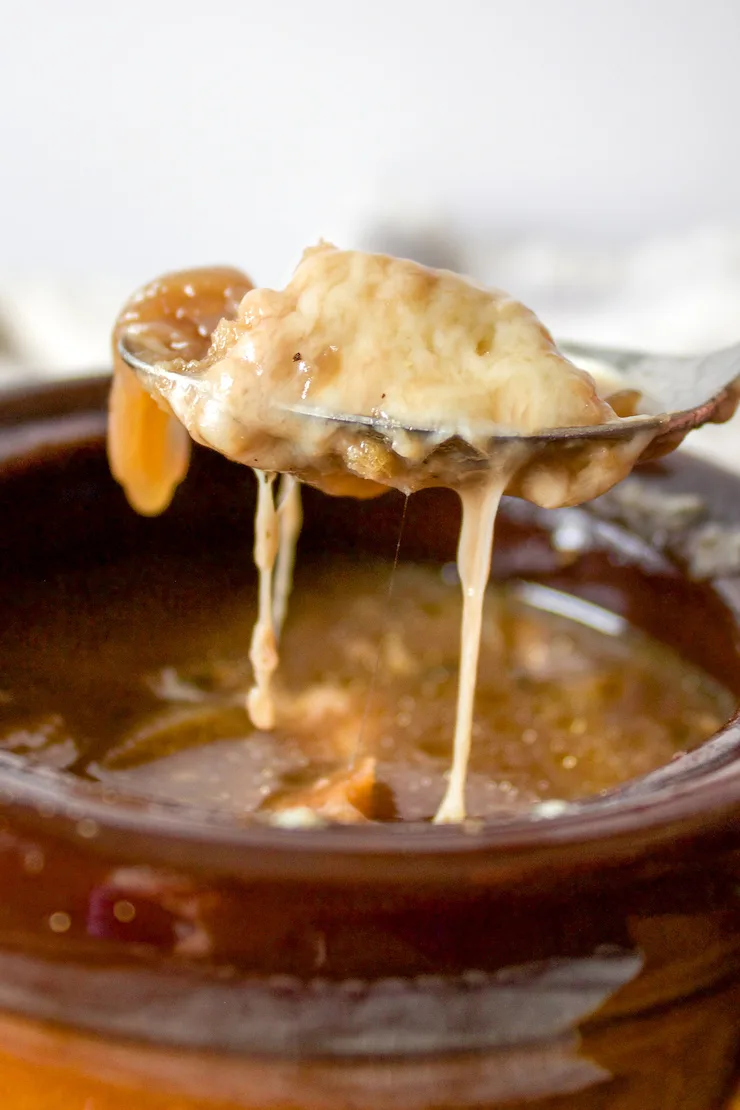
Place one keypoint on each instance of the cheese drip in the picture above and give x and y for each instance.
(290, 519)
(479, 507)
(263, 654)
(276, 531)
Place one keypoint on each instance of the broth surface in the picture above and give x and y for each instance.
(136, 675)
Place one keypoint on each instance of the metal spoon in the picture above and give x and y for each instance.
(676, 395)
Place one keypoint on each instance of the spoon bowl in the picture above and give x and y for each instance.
(676, 395)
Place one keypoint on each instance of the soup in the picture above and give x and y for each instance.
(571, 699)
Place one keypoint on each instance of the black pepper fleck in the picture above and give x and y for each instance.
(297, 356)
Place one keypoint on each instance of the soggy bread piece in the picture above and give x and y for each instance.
(346, 796)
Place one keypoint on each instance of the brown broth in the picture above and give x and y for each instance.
(135, 675)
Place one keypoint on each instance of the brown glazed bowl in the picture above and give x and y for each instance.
(154, 957)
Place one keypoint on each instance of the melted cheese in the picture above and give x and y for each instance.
(479, 507)
(373, 335)
(290, 519)
(263, 653)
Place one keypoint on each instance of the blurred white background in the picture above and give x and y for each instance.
(583, 153)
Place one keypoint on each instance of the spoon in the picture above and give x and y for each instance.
(677, 394)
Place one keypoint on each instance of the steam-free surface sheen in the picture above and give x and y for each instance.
(373, 336)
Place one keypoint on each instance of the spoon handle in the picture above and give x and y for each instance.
(674, 383)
